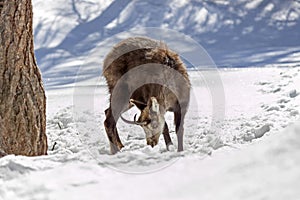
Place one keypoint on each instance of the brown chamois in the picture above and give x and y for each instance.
(143, 72)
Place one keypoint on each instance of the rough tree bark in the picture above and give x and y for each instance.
(22, 96)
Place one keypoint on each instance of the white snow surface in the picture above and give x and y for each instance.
(243, 145)
(254, 154)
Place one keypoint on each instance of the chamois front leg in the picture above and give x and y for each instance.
(167, 137)
(112, 132)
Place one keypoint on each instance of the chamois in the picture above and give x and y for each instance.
(145, 73)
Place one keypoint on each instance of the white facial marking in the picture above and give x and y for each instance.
(155, 105)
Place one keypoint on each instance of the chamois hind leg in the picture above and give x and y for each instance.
(167, 137)
(112, 132)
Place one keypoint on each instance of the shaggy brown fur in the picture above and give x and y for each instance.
(139, 51)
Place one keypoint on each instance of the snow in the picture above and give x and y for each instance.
(234, 33)
(242, 129)
(255, 156)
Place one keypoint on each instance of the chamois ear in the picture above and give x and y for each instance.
(154, 105)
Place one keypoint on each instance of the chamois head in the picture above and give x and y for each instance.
(151, 119)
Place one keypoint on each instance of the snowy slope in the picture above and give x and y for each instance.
(237, 33)
(244, 160)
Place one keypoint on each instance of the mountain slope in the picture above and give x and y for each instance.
(238, 33)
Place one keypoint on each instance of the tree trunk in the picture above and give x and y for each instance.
(22, 96)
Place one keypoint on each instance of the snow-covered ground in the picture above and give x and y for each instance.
(242, 135)
(254, 155)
